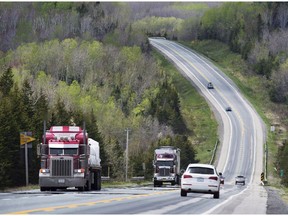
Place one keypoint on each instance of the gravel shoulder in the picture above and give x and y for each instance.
(275, 204)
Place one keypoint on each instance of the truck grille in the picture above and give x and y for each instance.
(61, 167)
(164, 171)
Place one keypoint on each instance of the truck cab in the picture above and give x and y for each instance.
(166, 165)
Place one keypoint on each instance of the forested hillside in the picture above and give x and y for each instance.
(258, 33)
(69, 62)
(72, 62)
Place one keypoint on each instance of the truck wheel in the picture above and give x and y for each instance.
(97, 180)
(216, 195)
(80, 188)
(43, 189)
(87, 186)
(156, 183)
(183, 193)
(178, 180)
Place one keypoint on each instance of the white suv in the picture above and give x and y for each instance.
(201, 178)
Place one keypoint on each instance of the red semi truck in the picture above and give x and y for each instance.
(69, 159)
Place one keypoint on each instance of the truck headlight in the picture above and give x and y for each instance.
(79, 170)
(44, 170)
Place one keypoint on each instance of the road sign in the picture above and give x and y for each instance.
(262, 176)
(24, 139)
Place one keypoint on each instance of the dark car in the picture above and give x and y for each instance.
(240, 180)
(229, 109)
(210, 85)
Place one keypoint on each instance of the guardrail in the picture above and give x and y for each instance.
(105, 178)
(137, 178)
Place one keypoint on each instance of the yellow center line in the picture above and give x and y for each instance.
(53, 208)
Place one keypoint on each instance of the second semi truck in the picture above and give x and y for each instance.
(166, 165)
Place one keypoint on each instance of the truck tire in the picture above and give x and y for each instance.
(183, 193)
(43, 188)
(216, 195)
(178, 179)
(80, 188)
(97, 180)
(87, 186)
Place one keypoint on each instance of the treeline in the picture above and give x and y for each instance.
(258, 31)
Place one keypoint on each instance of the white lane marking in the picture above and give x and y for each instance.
(170, 208)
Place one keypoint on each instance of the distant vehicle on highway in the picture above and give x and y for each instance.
(222, 178)
(228, 109)
(201, 178)
(210, 85)
(240, 180)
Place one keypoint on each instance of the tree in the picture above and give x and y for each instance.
(6, 82)
(60, 115)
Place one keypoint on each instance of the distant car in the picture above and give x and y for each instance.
(222, 178)
(240, 180)
(210, 85)
(201, 178)
(229, 109)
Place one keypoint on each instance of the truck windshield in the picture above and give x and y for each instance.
(164, 163)
(65, 151)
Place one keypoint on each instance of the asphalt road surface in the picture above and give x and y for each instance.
(138, 200)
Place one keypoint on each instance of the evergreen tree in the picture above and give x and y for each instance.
(92, 128)
(62, 116)
(40, 114)
(10, 117)
(6, 82)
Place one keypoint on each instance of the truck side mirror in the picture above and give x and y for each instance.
(42, 149)
(39, 150)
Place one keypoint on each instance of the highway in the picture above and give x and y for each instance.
(242, 136)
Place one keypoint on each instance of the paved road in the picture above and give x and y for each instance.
(141, 200)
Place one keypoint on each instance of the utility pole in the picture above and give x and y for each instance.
(127, 158)
(26, 161)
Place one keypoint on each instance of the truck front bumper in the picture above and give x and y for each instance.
(62, 182)
(164, 178)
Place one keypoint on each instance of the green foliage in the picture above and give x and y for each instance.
(6, 82)
(282, 163)
(158, 26)
(265, 66)
(237, 24)
(191, 6)
(166, 107)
